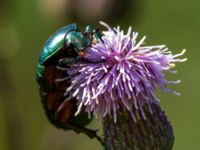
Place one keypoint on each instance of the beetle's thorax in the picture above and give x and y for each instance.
(77, 40)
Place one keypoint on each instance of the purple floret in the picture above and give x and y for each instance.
(127, 74)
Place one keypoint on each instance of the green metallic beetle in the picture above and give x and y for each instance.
(64, 47)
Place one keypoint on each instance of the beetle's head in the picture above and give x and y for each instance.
(93, 34)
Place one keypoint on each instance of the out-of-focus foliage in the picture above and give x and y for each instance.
(25, 25)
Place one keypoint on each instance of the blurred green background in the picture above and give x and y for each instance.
(25, 25)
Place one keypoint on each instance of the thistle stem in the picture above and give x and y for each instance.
(153, 133)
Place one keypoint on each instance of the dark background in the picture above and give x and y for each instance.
(24, 27)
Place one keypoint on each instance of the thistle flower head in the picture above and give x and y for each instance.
(126, 73)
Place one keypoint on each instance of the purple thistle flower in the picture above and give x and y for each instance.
(127, 74)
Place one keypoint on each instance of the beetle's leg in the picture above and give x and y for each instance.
(64, 61)
(89, 132)
(62, 118)
(85, 60)
(67, 60)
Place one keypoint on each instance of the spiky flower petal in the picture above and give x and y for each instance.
(125, 73)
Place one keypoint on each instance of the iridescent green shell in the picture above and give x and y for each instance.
(54, 42)
(59, 111)
(52, 46)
